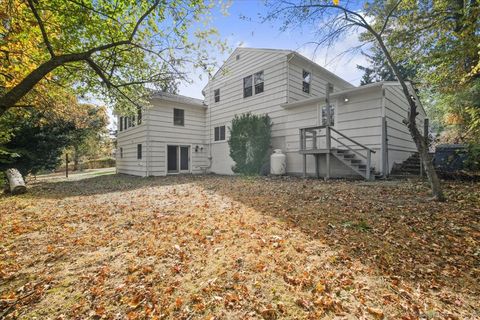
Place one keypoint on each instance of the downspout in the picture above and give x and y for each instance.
(288, 76)
(149, 152)
(209, 110)
(384, 143)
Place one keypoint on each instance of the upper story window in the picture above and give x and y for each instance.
(139, 115)
(247, 86)
(307, 77)
(121, 152)
(216, 93)
(139, 151)
(178, 117)
(219, 133)
(251, 81)
(125, 122)
(258, 80)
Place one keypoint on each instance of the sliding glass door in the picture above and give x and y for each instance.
(178, 159)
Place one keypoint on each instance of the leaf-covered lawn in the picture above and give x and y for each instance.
(190, 247)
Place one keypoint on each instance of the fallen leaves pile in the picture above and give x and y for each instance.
(192, 247)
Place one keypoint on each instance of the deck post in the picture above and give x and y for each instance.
(369, 162)
(329, 145)
(300, 140)
(314, 139)
(304, 165)
(384, 148)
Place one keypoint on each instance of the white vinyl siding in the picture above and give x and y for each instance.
(231, 80)
(279, 79)
(163, 132)
(400, 142)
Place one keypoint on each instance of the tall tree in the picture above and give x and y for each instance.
(441, 39)
(332, 21)
(36, 142)
(117, 49)
(89, 133)
(379, 69)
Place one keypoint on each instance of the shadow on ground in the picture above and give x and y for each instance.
(390, 226)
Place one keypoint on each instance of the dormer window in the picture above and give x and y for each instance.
(306, 81)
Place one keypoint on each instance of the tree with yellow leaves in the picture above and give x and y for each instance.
(116, 50)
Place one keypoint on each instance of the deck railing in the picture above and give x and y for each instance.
(315, 134)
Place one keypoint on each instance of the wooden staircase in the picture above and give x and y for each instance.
(354, 155)
(352, 161)
(409, 167)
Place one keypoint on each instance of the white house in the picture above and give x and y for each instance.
(177, 134)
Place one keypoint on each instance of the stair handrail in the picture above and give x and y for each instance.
(350, 139)
(328, 138)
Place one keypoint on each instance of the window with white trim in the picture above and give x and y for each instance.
(219, 133)
(139, 115)
(307, 77)
(325, 116)
(258, 81)
(247, 86)
(178, 117)
(253, 84)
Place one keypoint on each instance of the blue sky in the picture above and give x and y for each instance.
(252, 33)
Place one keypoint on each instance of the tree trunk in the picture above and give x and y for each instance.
(76, 157)
(412, 126)
(15, 179)
(14, 95)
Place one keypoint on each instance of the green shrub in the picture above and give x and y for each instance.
(250, 137)
(472, 162)
(99, 163)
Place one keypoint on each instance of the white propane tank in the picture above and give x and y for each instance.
(278, 162)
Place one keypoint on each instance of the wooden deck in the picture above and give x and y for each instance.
(349, 156)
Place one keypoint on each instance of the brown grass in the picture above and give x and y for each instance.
(213, 247)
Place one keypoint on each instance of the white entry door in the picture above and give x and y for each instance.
(178, 159)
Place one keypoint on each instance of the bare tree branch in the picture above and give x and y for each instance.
(42, 28)
(90, 8)
(390, 13)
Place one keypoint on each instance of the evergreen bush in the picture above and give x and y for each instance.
(250, 138)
